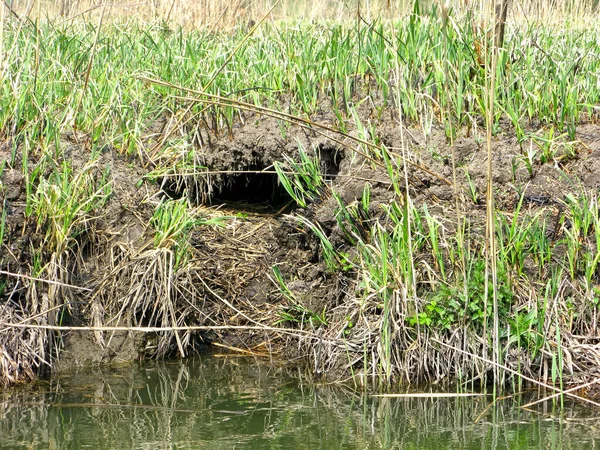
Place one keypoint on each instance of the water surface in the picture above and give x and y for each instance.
(217, 402)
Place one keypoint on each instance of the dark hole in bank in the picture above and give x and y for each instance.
(248, 191)
(253, 191)
(331, 158)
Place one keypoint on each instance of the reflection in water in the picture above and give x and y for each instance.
(223, 403)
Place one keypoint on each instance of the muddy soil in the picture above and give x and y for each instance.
(230, 278)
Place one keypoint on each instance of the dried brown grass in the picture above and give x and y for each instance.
(225, 14)
(215, 14)
(23, 350)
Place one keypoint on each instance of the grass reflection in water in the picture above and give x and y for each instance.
(223, 403)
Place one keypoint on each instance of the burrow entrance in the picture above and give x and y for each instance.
(256, 188)
(252, 192)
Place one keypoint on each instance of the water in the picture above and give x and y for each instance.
(214, 402)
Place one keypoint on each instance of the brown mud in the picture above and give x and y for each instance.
(229, 280)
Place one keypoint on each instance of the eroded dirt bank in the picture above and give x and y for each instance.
(119, 273)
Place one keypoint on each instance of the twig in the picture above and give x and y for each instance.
(297, 333)
(267, 172)
(432, 395)
(9, 7)
(558, 394)
(240, 350)
(58, 283)
(487, 408)
(525, 377)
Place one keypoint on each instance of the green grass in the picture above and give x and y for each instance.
(65, 201)
(313, 66)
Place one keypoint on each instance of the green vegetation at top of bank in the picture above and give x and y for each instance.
(545, 76)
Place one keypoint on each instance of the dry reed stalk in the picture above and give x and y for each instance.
(44, 280)
(432, 395)
(559, 394)
(520, 375)
(408, 296)
(491, 269)
(501, 11)
(9, 6)
(490, 406)
(4, 326)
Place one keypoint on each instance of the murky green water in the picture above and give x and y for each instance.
(226, 402)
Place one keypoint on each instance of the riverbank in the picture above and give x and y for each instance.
(315, 191)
